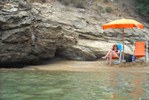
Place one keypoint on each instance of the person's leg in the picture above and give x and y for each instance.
(107, 55)
(110, 57)
(114, 54)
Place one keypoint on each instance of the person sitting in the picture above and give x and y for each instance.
(112, 54)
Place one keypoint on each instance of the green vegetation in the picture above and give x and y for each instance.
(76, 3)
(108, 9)
(142, 6)
(105, 1)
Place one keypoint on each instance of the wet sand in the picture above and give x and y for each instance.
(92, 66)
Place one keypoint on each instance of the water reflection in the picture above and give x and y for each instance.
(54, 85)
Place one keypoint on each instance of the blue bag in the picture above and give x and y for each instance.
(130, 58)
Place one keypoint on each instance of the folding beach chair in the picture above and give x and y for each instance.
(139, 49)
(120, 48)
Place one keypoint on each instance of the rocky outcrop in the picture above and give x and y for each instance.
(26, 37)
(34, 31)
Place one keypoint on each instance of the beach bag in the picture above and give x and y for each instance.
(130, 58)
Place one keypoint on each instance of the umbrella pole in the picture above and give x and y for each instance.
(123, 43)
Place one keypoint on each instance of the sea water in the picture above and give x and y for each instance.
(62, 85)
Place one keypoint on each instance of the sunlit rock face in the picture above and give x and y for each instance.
(38, 29)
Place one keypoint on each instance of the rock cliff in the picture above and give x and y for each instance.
(32, 31)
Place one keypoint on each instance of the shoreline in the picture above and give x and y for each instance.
(59, 64)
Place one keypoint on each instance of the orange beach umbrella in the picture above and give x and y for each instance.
(122, 24)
